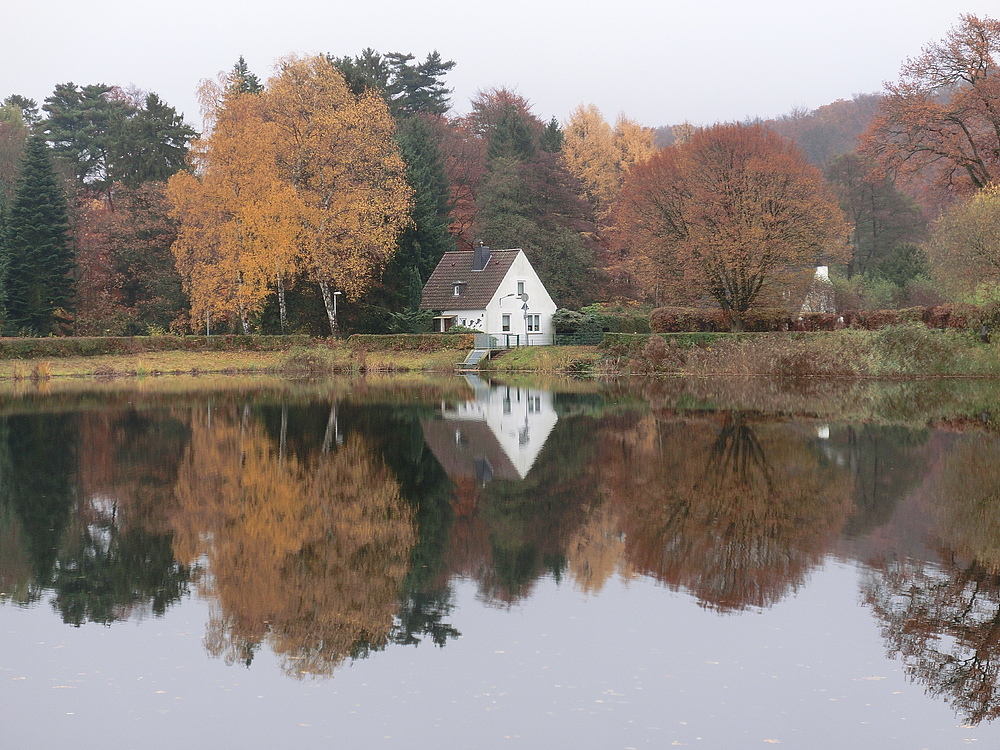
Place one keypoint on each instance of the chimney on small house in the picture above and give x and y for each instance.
(480, 257)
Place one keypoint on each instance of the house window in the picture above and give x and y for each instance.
(520, 288)
(456, 288)
(505, 323)
(533, 322)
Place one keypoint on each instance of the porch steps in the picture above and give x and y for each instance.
(472, 361)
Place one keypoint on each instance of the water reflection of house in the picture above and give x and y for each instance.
(497, 435)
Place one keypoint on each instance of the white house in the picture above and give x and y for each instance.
(496, 292)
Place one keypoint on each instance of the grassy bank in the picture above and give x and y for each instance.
(305, 358)
(898, 352)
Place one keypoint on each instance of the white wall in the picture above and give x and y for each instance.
(506, 302)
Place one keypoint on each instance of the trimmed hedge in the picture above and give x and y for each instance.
(80, 346)
(632, 344)
(685, 319)
(961, 316)
(419, 342)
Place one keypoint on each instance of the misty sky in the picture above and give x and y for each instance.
(659, 62)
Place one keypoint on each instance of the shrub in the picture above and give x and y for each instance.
(873, 320)
(82, 346)
(570, 321)
(308, 361)
(686, 319)
(958, 315)
(657, 355)
(767, 319)
(816, 321)
(423, 342)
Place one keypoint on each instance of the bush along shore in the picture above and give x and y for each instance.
(900, 351)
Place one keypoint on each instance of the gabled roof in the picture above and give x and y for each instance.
(480, 286)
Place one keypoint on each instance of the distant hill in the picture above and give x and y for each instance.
(823, 133)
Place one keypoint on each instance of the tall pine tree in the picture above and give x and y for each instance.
(36, 259)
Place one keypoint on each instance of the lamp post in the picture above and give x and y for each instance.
(527, 338)
(336, 329)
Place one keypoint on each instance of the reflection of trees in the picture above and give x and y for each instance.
(968, 493)
(306, 554)
(37, 463)
(116, 558)
(595, 550)
(945, 625)
(737, 513)
(886, 462)
(944, 621)
(526, 526)
(77, 495)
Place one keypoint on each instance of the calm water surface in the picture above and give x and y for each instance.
(459, 565)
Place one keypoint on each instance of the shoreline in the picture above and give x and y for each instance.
(898, 353)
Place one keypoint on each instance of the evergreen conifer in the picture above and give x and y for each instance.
(36, 259)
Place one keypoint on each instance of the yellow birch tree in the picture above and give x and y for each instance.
(239, 223)
(337, 151)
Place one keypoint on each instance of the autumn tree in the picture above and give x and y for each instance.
(127, 279)
(830, 131)
(964, 251)
(238, 221)
(735, 214)
(942, 116)
(600, 157)
(336, 150)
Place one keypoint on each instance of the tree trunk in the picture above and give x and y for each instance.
(244, 320)
(324, 287)
(282, 307)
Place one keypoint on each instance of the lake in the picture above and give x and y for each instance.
(454, 563)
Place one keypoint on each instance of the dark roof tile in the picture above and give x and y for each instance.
(480, 286)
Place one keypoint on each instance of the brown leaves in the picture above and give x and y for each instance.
(734, 213)
(942, 117)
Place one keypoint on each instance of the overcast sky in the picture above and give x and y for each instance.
(660, 62)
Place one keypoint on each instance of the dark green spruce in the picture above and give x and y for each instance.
(36, 258)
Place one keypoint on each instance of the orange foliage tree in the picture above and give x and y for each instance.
(337, 151)
(303, 178)
(237, 221)
(943, 115)
(600, 156)
(735, 214)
